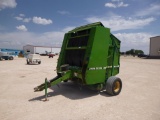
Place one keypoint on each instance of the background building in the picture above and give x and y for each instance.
(40, 49)
(155, 47)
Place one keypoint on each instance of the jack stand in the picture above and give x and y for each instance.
(46, 99)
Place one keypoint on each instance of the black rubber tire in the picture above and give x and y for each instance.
(65, 81)
(27, 62)
(10, 58)
(39, 62)
(110, 85)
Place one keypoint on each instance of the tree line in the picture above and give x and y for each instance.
(132, 52)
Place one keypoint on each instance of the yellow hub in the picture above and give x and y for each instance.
(117, 86)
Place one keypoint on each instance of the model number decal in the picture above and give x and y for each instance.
(102, 68)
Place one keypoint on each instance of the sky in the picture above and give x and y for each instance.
(44, 22)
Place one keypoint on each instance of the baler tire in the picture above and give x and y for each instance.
(113, 85)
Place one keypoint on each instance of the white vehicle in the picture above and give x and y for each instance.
(33, 59)
(6, 56)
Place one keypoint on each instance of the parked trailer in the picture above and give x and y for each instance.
(90, 55)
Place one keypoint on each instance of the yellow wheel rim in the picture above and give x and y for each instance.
(117, 86)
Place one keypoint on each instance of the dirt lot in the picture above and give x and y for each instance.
(139, 99)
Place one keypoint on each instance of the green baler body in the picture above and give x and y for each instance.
(92, 54)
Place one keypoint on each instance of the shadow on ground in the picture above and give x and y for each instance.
(71, 91)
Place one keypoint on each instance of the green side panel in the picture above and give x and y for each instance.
(95, 72)
(113, 57)
(62, 52)
(116, 61)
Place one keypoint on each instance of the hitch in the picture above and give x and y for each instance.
(65, 76)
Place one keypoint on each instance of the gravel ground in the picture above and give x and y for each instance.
(138, 100)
